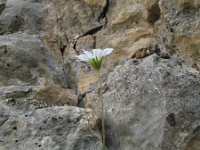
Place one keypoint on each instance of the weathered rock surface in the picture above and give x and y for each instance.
(127, 31)
(64, 31)
(22, 15)
(2, 5)
(24, 127)
(152, 104)
(139, 95)
(134, 26)
(179, 29)
(29, 69)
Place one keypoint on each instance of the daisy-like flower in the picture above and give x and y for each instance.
(95, 57)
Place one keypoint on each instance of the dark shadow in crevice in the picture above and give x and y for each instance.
(153, 13)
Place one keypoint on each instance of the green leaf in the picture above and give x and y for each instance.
(96, 62)
(93, 64)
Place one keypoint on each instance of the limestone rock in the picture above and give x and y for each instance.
(86, 42)
(178, 29)
(87, 81)
(66, 34)
(2, 5)
(131, 15)
(188, 4)
(54, 94)
(53, 128)
(28, 68)
(127, 31)
(82, 18)
(95, 3)
(20, 15)
(125, 44)
(152, 103)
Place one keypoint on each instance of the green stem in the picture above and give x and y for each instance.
(102, 107)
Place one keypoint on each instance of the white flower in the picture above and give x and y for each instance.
(95, 57)
(86, 56)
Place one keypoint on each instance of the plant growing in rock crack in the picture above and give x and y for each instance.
(95, 59)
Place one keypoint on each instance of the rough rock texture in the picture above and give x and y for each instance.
(179, 29)
(29, 70)
(2, 5)
(24, 127)
(132, 28)
(39, 40)
(152, 104)
(22, 15)
(127, 30)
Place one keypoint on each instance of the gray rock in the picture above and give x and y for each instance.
(178, 30)
(20, 53)
(21, 15)
(152, 104)
(52, 128)
(29, 69)
(66, 23)
(83, 17)
(2, 5)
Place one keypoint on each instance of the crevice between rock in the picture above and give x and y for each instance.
(89, 32)
(80, 102)
(93, 30)
(104, 12)
(153, 12)
(62, 48)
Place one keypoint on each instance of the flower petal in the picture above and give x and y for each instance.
(107, 51)
(97, 53)
(83, 57)
(89, 54)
